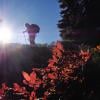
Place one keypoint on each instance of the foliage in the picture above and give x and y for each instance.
(96, 54)
(80, 20)
(57, 75)
(70, 74)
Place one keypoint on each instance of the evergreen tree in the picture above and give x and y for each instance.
(80, 20)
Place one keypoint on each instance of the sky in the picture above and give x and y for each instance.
(44, 13)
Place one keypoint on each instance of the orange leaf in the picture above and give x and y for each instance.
(26, 76)
(51, 76)
(33, 77)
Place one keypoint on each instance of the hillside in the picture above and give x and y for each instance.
(16, 57)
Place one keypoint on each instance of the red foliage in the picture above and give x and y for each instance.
(60, 69)
(85, 55)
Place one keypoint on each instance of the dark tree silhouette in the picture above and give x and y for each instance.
(80, 20)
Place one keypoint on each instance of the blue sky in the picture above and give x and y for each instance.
(45, 13)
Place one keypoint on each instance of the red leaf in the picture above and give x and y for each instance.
(26, 76)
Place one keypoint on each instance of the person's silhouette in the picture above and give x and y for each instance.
(32, 30)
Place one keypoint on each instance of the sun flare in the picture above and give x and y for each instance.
(5, 33)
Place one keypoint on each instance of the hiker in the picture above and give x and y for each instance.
(32, 30)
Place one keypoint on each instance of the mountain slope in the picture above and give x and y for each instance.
(14, 58)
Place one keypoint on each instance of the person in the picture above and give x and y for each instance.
(32, 30)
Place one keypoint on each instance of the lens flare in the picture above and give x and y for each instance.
(5, 33)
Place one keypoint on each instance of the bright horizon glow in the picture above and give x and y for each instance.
(5, 33)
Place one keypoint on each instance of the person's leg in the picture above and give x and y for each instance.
(32, 40)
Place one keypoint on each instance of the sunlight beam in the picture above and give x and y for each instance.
(5, 33)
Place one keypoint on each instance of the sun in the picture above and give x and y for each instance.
(5, 34)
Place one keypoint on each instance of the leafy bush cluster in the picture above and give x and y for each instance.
(53, 82)
(56, 76)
